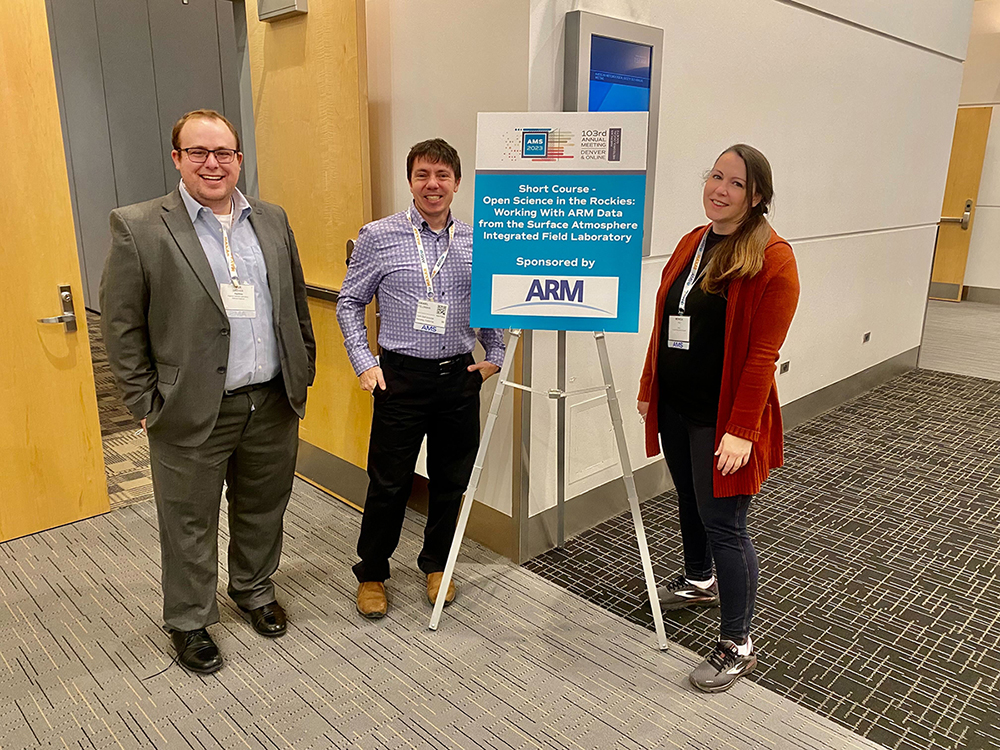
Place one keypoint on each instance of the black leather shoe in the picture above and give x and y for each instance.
(269, 620)
(196, 650)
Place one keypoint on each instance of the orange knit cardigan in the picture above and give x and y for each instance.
(758, 314)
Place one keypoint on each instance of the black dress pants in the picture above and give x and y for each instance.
(712, 528)
(422, 397)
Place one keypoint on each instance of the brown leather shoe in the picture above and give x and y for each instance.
(371, 600)
(434, 585)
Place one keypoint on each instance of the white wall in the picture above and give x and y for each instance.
(432, 66)
(857, 126)
(936, 25)
(981, 86)
(981, 79)
(858, 129)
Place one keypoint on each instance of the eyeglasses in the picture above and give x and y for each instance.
(200, 155)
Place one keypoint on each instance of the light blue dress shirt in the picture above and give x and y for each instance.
(253, 347)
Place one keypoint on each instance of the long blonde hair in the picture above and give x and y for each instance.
(741, 254)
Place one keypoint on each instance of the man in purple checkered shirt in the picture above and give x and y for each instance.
(419, 265)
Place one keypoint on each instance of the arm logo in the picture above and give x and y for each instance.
(555, 296)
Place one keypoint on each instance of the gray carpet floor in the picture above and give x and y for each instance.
(517, 662)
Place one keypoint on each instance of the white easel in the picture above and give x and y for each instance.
(477, 470)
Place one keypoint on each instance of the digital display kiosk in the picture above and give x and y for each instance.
(614, 66)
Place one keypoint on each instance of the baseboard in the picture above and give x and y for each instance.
(940, 290)
(498, 531)
(803, 409)
(331, 473)
(585, 511)
(981, 294)
(609, 500)
(489, 527)
(349, 483)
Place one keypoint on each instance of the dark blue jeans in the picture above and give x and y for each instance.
(712, 528)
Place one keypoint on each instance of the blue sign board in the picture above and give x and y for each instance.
(558, 221)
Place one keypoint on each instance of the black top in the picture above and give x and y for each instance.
(691, 379)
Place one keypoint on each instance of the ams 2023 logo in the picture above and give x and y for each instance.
(555, 296)
(534, 143)
(541, 144)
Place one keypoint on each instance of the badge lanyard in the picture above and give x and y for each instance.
(679, 325)
(230, 260)
(692, 278)
(428, 273)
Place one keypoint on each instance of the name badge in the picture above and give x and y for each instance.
(238, 300)
(431, 316)
(679, 332)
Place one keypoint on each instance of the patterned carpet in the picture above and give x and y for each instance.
(115, 418)
(517, 664)
(126, 452)
(880, 556)
(880, 565)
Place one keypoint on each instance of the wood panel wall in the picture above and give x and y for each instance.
(310, 106)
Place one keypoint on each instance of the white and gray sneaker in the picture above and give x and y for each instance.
(680, 593)
(722, 668)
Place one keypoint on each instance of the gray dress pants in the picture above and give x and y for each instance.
(253, 448)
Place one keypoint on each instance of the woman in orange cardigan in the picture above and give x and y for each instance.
(707, 393)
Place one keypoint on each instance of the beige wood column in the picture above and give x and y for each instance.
(310, 107)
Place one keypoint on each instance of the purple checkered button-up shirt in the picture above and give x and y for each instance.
(385, 264)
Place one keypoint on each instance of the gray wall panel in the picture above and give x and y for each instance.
(125, 71)
(53, 42)
(185, 61)
(127, 57)
(86, 119)
(229, 60)
(230, 63)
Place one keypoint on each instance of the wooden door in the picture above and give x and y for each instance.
(972, 126)
(51, 461)
(310, 106)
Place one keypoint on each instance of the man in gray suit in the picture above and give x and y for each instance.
(209, 338)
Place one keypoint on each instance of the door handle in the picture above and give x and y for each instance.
(965, 218)
(68, 317)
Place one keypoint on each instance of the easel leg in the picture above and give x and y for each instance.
(477, 470)
(633, 495)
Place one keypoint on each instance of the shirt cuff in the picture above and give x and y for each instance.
(363, 360)
(496, 355)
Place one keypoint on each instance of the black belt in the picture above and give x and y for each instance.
(272, 383)
(396, 360)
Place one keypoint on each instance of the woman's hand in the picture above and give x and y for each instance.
(643, 407)
(733, 453)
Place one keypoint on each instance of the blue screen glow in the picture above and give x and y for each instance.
(620, 75)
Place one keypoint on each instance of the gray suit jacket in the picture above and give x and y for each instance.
(166, 329)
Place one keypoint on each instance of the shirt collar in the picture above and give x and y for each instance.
(194, 208)
(417, 220)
